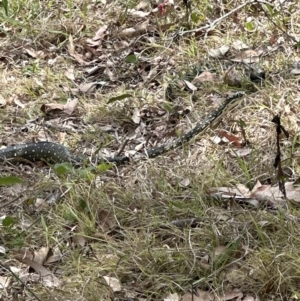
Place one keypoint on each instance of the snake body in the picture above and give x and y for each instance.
(56, 153)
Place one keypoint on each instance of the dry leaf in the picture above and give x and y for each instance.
(172, 297)
(216, 139)
(184, 182)
(128, 33)
(134, 31)
(2, 248)
(142, 27)
(232, 191)
(232, 78)
(5, 282)
(56, 108)
(52, 108)
(235, 141)
(3, 101)
(248, 57)
(240, 193)
(260, 193)
(220, 250)
(273, 193)
(121, 46)
(143, 4)
(27, 257)
(199, 295)
(190, 85)
(140, 146)
(79, 239)
(70, 74)
(113, 283)
(70, 106)
(234, 273)
(204, 262)
(138, 13)
(100, 33)
(35, 54)
(46, 275)
(41, 255)
(55, 257)
(206, 76)
(96, 40)
(239, 45)
(78, 57)
(218, 52)
(110, 74)
(241, 152)
(88, 87)
(237, 296)
(19, 103)
(136, 117)
(295, 71)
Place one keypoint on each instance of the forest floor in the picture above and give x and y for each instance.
(212, 220)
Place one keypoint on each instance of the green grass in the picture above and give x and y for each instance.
(117, 222)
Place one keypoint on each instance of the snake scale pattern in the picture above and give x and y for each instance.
(56, 153)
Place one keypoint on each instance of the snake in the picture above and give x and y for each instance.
(52, 152)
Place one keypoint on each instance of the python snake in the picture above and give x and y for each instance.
(56, 153)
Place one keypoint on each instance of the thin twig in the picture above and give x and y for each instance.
(212, 24)
(274, 23)
(9, 202)
(21, 281)
(122, 147)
